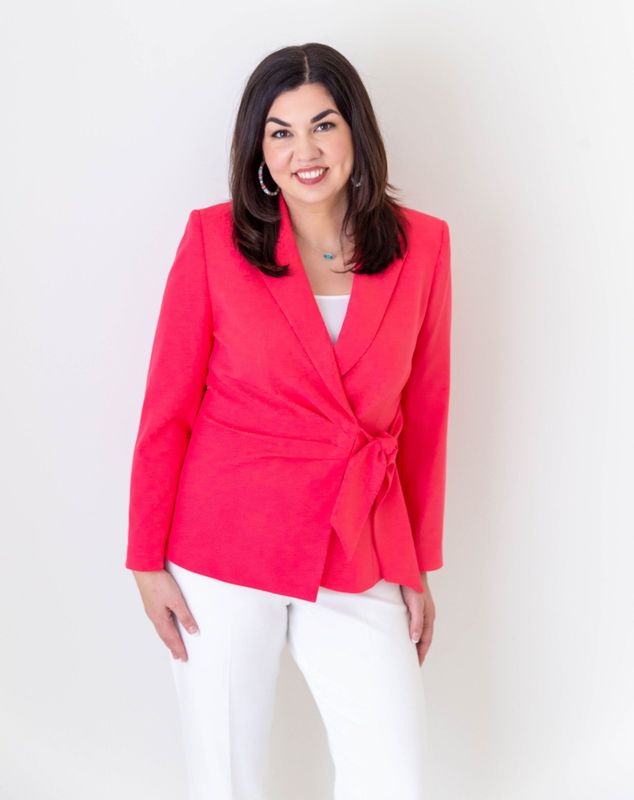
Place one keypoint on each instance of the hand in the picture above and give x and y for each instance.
(164, 604)
(422, 613)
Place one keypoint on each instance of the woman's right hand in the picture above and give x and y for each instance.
(164, 604)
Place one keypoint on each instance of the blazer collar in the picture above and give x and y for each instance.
(366, 307)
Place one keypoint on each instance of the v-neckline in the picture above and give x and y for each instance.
(350, 308)
(296, 259)
(369, 298)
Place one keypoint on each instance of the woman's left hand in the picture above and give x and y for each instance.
(422, 613)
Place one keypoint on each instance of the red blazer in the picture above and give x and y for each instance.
(268, 457)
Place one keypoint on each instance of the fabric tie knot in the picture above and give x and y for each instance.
(366, 480)
(388, 444)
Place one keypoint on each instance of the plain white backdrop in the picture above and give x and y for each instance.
(512, 121)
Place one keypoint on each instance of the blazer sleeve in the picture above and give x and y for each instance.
(425, 406)
(174, 389)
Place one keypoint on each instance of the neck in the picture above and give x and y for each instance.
(319, 223)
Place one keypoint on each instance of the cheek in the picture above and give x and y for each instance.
(342, 149)
(275, 157)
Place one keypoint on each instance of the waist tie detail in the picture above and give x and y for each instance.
(366, 481)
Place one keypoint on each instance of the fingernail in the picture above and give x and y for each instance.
(416, 641)
(193, 629)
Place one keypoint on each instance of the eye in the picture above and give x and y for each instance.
(275, 136)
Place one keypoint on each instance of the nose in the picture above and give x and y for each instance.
(306, 150)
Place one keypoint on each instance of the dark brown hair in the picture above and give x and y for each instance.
(373, 217)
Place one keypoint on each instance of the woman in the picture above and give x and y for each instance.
(288, 476)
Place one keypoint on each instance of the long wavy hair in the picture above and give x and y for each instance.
(373, 217)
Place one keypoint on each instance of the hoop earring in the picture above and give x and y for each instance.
(356, 184)
(263, 185)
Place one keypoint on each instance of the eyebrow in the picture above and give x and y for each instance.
(316, 118)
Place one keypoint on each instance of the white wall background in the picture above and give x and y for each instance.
(513, 121)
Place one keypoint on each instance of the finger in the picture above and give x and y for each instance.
(416, 622)
(183, 614)
(426, 638)
(167, 629)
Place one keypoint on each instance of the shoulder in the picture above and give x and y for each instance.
(216, 216)
(422, 221)
(427, 232)
(424, 228)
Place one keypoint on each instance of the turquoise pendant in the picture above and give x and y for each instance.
(329, 256)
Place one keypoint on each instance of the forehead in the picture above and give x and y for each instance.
(303, 101)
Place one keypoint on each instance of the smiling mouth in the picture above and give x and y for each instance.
(310, 175)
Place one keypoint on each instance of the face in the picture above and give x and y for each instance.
(304, 131)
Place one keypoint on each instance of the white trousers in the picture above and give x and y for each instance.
(360, 665)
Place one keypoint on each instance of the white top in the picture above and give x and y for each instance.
(333, 309)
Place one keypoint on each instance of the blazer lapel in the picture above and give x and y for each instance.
(366, 307)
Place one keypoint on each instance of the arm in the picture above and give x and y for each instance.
(174, 389)
(425, 406)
